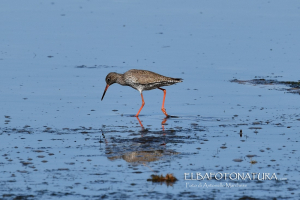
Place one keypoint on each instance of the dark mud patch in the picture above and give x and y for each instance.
(290, 86)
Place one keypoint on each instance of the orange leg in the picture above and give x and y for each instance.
(163, 104)
(140, 122)
(143, 103)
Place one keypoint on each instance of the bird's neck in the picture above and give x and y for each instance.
(120, 79)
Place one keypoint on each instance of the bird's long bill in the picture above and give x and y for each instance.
(104, 92)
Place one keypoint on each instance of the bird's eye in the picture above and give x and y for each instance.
(108, 79)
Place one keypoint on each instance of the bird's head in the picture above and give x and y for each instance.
(110, 79)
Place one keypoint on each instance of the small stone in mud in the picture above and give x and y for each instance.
(114, 110)
(223, 147)
(38, 151)
(44, 161)
(253, 161)
(63, 169)
(23, 171)
(237, 160)
(250, 156)
(255, 127)
(26, 163)
(70, 163)
(256, 123)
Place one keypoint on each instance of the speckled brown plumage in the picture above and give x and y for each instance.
(141, 80)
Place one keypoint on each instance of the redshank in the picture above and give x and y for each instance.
(141, 80)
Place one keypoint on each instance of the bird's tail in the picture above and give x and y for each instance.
(178, 80)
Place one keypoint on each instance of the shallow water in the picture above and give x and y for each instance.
(59, 140)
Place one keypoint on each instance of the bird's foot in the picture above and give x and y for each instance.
(164, 111)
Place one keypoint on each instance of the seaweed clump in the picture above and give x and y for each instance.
(169, 179)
